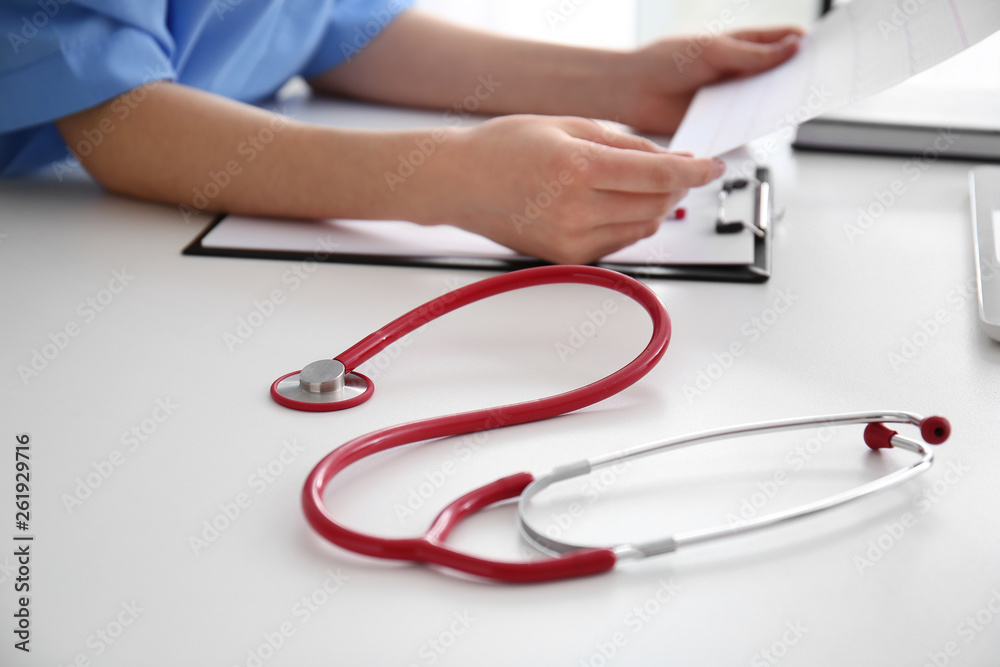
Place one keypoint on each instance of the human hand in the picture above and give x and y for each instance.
(662, 78)
(567, 190)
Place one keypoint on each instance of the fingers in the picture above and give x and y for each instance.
(767, 35)
(591, 130)
(629, 163)
(734, 54)
(581, 190)
(628, 142)
(638, 172)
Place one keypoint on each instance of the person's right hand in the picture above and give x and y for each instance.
(567, 190)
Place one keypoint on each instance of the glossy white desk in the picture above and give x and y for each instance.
(147, 428)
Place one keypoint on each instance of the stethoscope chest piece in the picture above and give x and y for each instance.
(321, 386)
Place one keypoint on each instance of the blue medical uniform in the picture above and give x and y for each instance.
(62, 56)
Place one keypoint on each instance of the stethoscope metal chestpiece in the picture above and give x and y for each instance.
(321, 386)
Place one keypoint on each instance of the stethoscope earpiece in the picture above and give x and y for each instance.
(322, 386)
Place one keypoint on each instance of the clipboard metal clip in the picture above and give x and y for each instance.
(724, 226)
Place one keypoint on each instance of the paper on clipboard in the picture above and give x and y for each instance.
(683, 249)
(856, 50)
(692, 241)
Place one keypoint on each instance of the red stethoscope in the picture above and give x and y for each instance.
(333, 385)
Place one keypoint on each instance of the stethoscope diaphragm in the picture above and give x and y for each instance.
(321, 386)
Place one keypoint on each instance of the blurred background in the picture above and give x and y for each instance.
(619, 23)
(963, 92)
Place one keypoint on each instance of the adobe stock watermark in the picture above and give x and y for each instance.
(656, 257)
(751, 331)
(894, 531)
(365, 33)
(912, 343)
(634, 621)
(418, 495)
(464, 449)
(967, 630)
(37, 21)
(913, 170)
(264, 309)
(8, 568)
(102, 639)
(223, 7)
(756, 501)
(550, 191)
(796, 459)
(922, 335)
(460, 111)
(699, 42)
(121, 108)
(229, 511)
(586, 330)
(218, 180)
(899, 17)
(535, 206)
(711, 30)
(562, 12)
(426, 146)
(773, 654)
(131, 440)
(43, 356)
(598, 483)
(381, 362)
(302, 611)
(761, 151)
(434, 648)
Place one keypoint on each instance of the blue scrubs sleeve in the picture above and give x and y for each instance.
(60, 58)
(354, 24)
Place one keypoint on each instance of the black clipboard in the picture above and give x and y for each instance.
(756, 272)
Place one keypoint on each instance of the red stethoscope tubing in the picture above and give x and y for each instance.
(431, 547)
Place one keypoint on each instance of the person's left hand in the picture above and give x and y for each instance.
(663, 77)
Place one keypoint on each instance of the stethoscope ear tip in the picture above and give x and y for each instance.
(935, 430)
(322, 386)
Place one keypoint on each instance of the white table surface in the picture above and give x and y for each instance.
(798, 595)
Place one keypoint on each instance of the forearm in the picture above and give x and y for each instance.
(602, 190)
(426, 62)
(186, 147)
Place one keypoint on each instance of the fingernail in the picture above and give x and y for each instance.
(719, 167)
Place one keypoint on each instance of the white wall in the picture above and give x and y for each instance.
(658, 18)
(599, 23)
(619, 24)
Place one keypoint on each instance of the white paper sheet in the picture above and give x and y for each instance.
(855, 51)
